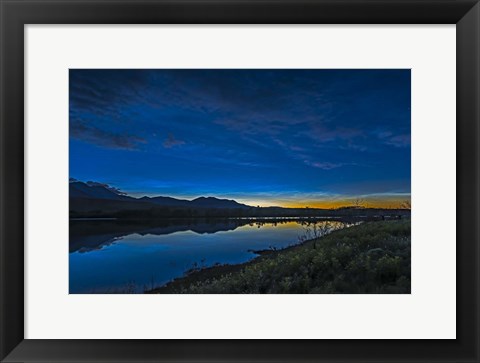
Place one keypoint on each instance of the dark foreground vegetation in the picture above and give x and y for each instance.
(373, 257)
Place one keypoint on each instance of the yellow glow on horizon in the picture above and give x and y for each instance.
(380, 202)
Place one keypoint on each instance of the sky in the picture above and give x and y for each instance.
(285, 137)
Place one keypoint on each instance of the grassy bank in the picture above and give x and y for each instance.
(373, 257)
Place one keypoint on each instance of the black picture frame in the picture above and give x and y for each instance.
(17, 13)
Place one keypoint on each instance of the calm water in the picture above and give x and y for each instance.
(111, 256)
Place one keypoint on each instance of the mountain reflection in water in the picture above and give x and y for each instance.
(108, 256)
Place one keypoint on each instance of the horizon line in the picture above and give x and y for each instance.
(394, 200)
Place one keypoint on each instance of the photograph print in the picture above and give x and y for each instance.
(239, 181)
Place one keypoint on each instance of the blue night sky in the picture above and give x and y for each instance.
(318, 138)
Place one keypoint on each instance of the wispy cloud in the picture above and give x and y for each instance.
(82, 131)
(394, 139)
(399, 140)
(323, 134)
(324, 165)
(171, 141)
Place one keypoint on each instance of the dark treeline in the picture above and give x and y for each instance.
(147, 211)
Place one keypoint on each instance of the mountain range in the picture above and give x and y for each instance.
(96, 191)
(97, 200)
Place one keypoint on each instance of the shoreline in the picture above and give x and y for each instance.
(377, 252)
(219, 270)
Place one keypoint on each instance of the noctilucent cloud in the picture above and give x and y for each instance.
(286, 137)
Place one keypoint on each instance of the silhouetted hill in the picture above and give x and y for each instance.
(96, 207)
(166, 201)
(211, 202)
(94, 190)
(90, 191)
(201, 202)
(96, 200)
